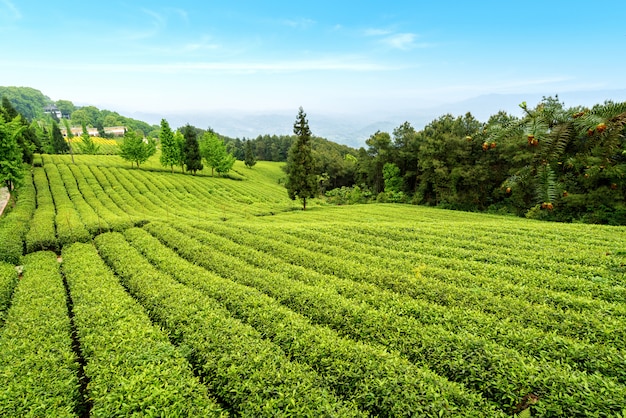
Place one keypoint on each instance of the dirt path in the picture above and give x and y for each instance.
(4, 198)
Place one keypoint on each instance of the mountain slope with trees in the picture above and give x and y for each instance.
(553, 163)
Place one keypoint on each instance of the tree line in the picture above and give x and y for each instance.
(553, 162)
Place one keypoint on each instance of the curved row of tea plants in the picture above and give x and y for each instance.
(38, 369)
(358, 266)
(15, 224)
(117, 340)
(377, 381)
(253, 376)
(607, 359)
(70, 227)
(8, 280)
(500, 374)
(42, 232)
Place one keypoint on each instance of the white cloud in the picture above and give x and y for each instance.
(403, 41)
(204, 44)
(301, 23)
(8, 11)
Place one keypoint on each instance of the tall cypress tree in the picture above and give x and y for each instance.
(249, 155)
(301, 178)
(58, 142)
(169, 149)
(191, 149)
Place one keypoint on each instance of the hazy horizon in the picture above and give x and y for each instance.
(348, 58)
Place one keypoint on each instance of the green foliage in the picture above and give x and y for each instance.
(11, 173)
(8, 280)
(59, 144)
(26, 101)
(170, 149)
(191, 150)
(42, 235)
(250, 156)
(391, 176)
(350, 368)
(38, 370)
(116, 346)
(207, 331)
(136, 148)
(15, 224)
(509, 316)
(301, 177)
(86, 145)
(214, 153)
(70, 226)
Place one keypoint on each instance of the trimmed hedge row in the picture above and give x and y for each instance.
(15, 224)
(551, 275)
(500, 374)
(125, 354)
(252, 375)
(101, 203)
(377, 381)
(590, 328)
(600, 357)
(8, 280)
(510, 281)
(42, 232)
(94, 221)
(38, 369)
(70, 226)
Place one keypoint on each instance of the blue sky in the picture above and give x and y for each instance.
(327, 56)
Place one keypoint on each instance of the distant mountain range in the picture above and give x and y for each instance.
(354, 129)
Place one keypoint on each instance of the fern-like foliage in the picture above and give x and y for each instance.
(545, 184)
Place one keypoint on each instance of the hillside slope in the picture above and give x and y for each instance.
(262, 309)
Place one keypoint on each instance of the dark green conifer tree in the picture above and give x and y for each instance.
(301, 177)
(191, 149)
(249, 155)
(59, 144)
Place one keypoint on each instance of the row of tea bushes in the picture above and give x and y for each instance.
(42, 233)
(500, 374)
(253, 376)
(542, 345)
(15, 224)
(38, 369)
(131, 365)
(8, 280)
(373, 378)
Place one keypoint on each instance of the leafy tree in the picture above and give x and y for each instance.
(301, 177)
(191, 149)
(214, 152)
(27, 101)
(391, 175)
(26, 139)
(59, 145)
(11, 172)
(135, 149)
(179, 142)
(249, 155)
(86, 145)
(380, 152)
(66, 107)
(170, 151)
(8, 110)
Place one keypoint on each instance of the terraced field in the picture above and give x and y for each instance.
(159, 294)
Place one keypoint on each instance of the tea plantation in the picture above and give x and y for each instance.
(150, 293)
